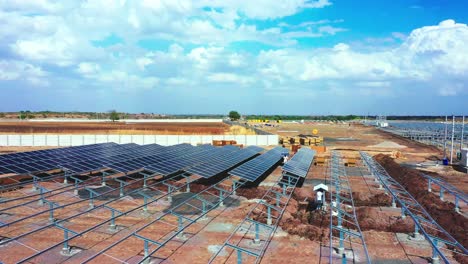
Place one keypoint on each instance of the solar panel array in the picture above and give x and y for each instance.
(206, 160)
(75, 159)
(255, 168)
(300, 163)
(42, 160)
(224, 162)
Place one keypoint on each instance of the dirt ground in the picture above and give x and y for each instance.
(303, 232)
(25, 127)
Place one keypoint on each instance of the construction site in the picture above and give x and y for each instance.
(325, 192)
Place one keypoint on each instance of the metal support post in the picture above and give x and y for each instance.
(393, 202)
(51, 210)
(278, 199)
(453, 136)
(257, 233)
(445, 138)
(435, 255)
(103, 179)
(239, 256)
(35, 184)
(188, 184)
(462, 133)
(457, 208)
(121, 189)
(91, 197)
(65, 248)
(42, 200)
(221, 198)
(441, 193)
(169, 193)
(429, 185)
(180, 227)
(112, 223)
(146, 248)
(77, 181)
(269, 220)
(403, 215)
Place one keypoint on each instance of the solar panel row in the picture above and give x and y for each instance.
(78, 159)
(224, 162)
(206, 160)
(135, 163)
(173, 165)
(300, 163)
(134, 160)
(255, 168)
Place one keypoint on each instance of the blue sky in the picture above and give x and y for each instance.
(257, 57)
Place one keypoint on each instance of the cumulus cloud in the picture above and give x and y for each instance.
(17, 70)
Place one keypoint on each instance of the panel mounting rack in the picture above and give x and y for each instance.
(442, 243)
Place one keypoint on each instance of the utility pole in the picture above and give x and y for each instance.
(445, 139)
(462, 133)
(453, 135)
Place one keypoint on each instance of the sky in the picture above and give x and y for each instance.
(317, 57)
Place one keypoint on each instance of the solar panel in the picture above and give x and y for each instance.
(255, 168)
(300, 163)
(256, 149)
(188, 160)
(223, 163)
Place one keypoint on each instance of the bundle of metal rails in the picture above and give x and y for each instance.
(440, 240)
(346, 239)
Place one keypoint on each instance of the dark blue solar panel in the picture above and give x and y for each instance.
(222, 163)
(255, 168)
(300, 163)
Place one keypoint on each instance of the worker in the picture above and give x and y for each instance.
(285, 159)
(319, 199)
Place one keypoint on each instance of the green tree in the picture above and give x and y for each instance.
(23, 115)
(114, 115)
(234, 115)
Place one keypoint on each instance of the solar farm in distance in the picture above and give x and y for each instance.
(314, 195)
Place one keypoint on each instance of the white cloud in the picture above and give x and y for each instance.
(18, 70)
(88, 68)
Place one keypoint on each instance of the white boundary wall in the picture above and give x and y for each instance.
(165, 140)
(121, 120)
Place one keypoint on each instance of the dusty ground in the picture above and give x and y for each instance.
(303, 234)
(25, 127)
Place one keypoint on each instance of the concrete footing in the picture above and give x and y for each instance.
(416, 237)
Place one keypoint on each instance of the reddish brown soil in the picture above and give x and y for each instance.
(365, 199)
(371, 218)
(442, 212)
(251, 193)
(113, 128)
